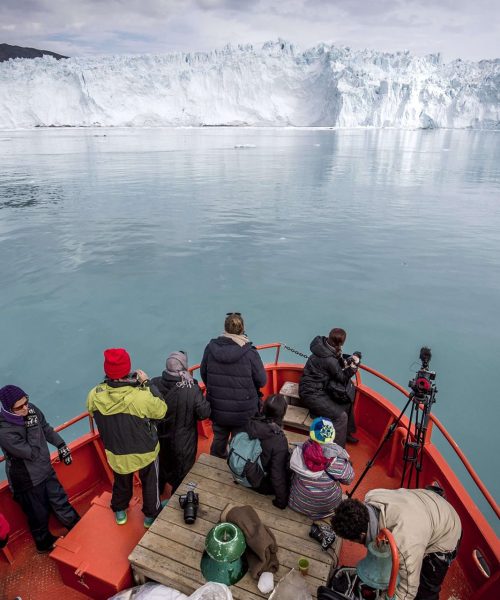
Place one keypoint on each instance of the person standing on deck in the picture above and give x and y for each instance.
(233, 373)
(24, 434)
(426, 529)
(178, 430)
(326, 388)
(124, 407)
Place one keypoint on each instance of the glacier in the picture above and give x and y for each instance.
(274, 85)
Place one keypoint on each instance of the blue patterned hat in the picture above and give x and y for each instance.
(322, 431)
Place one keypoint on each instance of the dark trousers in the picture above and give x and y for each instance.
(434, 569)
(38, 502)
(221, 438)
(123, 488)
(351, 423)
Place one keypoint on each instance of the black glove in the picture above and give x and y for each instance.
(31, 419)
(65, 454)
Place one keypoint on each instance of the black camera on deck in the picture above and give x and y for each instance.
(189, 502)
(422, 385)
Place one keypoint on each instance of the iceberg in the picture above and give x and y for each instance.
(274, 85)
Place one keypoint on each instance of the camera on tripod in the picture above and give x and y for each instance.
(422, 385)
(189, 502)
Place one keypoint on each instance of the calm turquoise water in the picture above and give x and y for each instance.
(145, 238)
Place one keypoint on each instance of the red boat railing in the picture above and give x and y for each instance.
(66, 424)
(463, 459)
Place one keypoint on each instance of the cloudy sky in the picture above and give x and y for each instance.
(468, 29)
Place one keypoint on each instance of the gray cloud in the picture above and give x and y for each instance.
(454, 27)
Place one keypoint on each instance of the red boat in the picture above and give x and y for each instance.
(475, 575)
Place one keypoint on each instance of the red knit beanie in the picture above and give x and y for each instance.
(116, 363)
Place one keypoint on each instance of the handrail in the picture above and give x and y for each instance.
(67, 424)
(469, 468)
(464, 460)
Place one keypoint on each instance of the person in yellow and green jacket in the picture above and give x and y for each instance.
(125, 409)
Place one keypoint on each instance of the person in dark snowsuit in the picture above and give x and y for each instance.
(24, 434)
(326, 388)
(177, 432)
(275, 456)
(233, 373)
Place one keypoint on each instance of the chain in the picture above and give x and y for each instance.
(295, 351)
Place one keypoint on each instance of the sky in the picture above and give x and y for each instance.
(468, 29)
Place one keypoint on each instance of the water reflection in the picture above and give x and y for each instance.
(391, 234)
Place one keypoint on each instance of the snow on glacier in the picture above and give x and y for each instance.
(275, 85)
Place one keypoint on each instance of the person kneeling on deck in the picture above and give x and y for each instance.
(426, 529)
(273, 476)
(318, 467)
(24, 434)
(123, 407)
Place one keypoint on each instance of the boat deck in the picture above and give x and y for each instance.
(171, 551)
(36, 577)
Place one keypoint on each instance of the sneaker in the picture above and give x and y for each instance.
(148, 521)
(351, 439)
(120, 517)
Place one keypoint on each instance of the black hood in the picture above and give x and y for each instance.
(262, 428)
(320, 348)
(225, 350)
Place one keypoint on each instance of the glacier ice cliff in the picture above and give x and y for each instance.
(276, 85)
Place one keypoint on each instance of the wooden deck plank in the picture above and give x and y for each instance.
(208, 517)
(170, 552)
(219, 481)
(177, 575)
(295, 416)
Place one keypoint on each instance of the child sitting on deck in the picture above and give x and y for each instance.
(318, 467)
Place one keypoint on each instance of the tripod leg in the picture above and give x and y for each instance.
(387, 437)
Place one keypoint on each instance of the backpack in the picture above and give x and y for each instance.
(244, 460)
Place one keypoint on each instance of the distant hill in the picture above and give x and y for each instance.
(7, 51)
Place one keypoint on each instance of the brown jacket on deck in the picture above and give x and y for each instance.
(261, 543)
(421, 522)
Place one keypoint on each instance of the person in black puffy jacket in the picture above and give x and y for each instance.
(177, 432)
(275, 457)
(233, 373)
(326, 388)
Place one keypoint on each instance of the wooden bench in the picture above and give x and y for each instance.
(296, 416)
(170, 551)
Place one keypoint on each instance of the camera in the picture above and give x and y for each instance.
(422, 385)
(323, 534)
(350, 360)
(189, 502)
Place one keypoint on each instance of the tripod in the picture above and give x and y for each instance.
(413, 450)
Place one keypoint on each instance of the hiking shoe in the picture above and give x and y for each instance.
(120, 517)
(148, 521)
